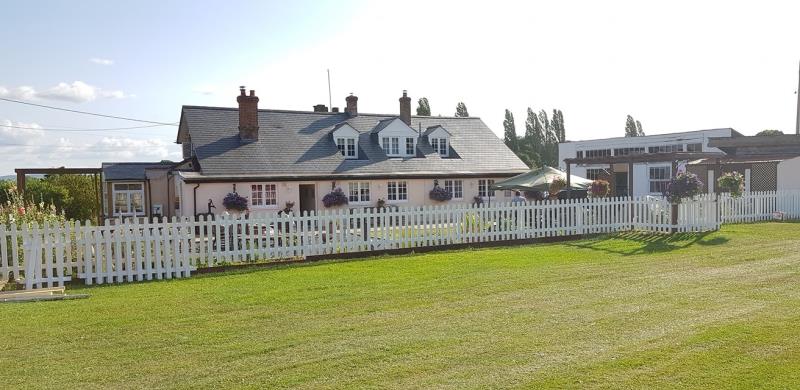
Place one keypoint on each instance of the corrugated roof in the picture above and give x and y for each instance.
(299, 143)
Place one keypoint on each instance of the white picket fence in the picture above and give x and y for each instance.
(126, 251)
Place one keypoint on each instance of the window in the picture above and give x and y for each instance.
(595, 173)
(439, 145)
(665, 148)
(410, 146)
(694, 147)
(128, 199)
(359, 192)
(346, 146)
(598, 153)
(659, 178)
(483, 188)
(263, 195)
(455, 188)
(628, 151)
(391, 145)
(397, 191)
(579, 154)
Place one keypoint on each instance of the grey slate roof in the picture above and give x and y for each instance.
(299, 143)
(130, 170)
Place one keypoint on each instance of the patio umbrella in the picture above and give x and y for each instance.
(539, 180)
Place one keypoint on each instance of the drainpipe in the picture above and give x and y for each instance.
(194, 198)
(149, 211)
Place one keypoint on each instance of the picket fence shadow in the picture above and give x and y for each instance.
(127, 251)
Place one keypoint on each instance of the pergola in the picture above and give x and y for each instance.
(673, 157)
(95, 172)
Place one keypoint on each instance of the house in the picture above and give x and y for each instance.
(274, 157)
(644, 165)
(638, 166)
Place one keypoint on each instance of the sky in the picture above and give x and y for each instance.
(674, 66)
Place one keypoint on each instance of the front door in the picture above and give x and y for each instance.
(308, 200)
(621, 183)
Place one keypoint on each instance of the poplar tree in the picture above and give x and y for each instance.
(510, 133)
(461, 110)
(423, 107)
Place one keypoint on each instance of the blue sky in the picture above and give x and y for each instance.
(677, 66)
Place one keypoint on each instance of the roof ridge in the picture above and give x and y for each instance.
(327, 113)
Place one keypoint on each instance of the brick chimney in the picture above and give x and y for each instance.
(320, 108)
(352, 105)
(405, 108)
(248, 115)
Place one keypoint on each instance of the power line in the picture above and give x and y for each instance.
(80, 130)
(87, 113)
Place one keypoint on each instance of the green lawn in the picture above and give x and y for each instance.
(710, 311)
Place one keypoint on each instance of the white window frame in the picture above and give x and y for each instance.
(650, 179)
(362, 192)
(129, 199)
(347, 146)
(440, 145)
(483, 188)
(393, 147)
(412, 144)
(393, 190)
(259, 195)
(455, 187)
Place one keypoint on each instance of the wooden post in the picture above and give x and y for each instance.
(674, 208)
(20, 182)
(613, 179)
(569, 181)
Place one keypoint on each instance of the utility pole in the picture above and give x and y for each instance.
(797, 124)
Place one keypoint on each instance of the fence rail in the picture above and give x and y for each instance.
(126, 251)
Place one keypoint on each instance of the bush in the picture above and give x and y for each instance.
(440, 194)
(557, 185)
(600, 188)
(534, 195)
(732, 182)
(336, 197)
(684, 185)
(234, 201)
(20, 211)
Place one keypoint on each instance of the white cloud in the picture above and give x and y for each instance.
(77, 92)
(101, 61)
(19, 132)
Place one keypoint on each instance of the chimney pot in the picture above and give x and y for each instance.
(405, 108)
(334, 109)
(352, 105)
(248, 115)
(320, 108)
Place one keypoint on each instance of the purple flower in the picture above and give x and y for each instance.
(234, 201)
(335, 198)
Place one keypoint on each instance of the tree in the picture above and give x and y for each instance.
(770, 132)
(461, 110)
(423, 107)
(532, 145)
(82, 201)
(510, 132)
(633, 128)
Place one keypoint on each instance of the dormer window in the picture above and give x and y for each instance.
(346, 139)
(440, 145)
(439, 138)
(391, 146)
(347, 146)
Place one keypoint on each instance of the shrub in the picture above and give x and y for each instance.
(732, 182)
(335, 198)
(440, 194)
(684, 185)
(600, 188)
(557, 185)
(21, 211)
(234, 201)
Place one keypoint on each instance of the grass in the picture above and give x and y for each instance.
(624, 311)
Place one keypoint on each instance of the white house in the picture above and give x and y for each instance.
(639, 165)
